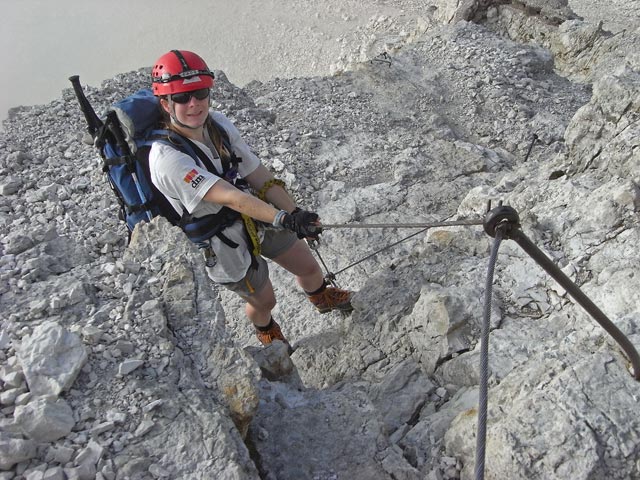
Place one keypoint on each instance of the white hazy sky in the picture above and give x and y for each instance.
(43, 42)
(46, 41)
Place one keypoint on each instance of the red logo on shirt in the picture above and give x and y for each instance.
(194, 178)
(190, 176)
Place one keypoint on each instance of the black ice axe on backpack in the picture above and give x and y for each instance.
(94, 124)
(100, 131)
(109, 138)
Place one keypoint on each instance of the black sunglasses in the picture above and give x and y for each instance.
(184, 97)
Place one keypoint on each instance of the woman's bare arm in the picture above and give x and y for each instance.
(223, 193)
(275, 195)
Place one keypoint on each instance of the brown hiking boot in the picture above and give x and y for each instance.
(332, 298)
(273, 333)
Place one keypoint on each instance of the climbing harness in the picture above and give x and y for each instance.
(503, 222)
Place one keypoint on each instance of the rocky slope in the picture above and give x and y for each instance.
(127, 363)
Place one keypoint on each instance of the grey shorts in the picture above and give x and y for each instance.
(275, 242)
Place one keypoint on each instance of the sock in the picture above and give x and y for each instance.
(266, 327)
(320, 290)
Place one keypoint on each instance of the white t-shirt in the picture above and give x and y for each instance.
(185, 181)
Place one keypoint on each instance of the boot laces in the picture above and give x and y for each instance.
(331, 297)
(268, 336)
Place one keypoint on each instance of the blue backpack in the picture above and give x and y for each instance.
(135, 120)
(124, 140)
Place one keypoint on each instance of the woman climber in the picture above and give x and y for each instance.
(214, 192)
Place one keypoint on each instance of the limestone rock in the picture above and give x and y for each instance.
(15, 450)
(604, 133)
(51, 358)
(45, 418)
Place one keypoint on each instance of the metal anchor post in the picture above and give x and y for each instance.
(506, 218)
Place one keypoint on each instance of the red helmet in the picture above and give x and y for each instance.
(180, 71)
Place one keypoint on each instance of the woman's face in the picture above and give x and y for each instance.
(187, 108)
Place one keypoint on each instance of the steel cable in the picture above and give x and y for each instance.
(481, 433)
(423, 226)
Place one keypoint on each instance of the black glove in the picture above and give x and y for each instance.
(302, 223)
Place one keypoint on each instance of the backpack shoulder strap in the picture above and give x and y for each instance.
(183, 145)
(223, 132)
(234, 160)
(194, 151)
(163, 204)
